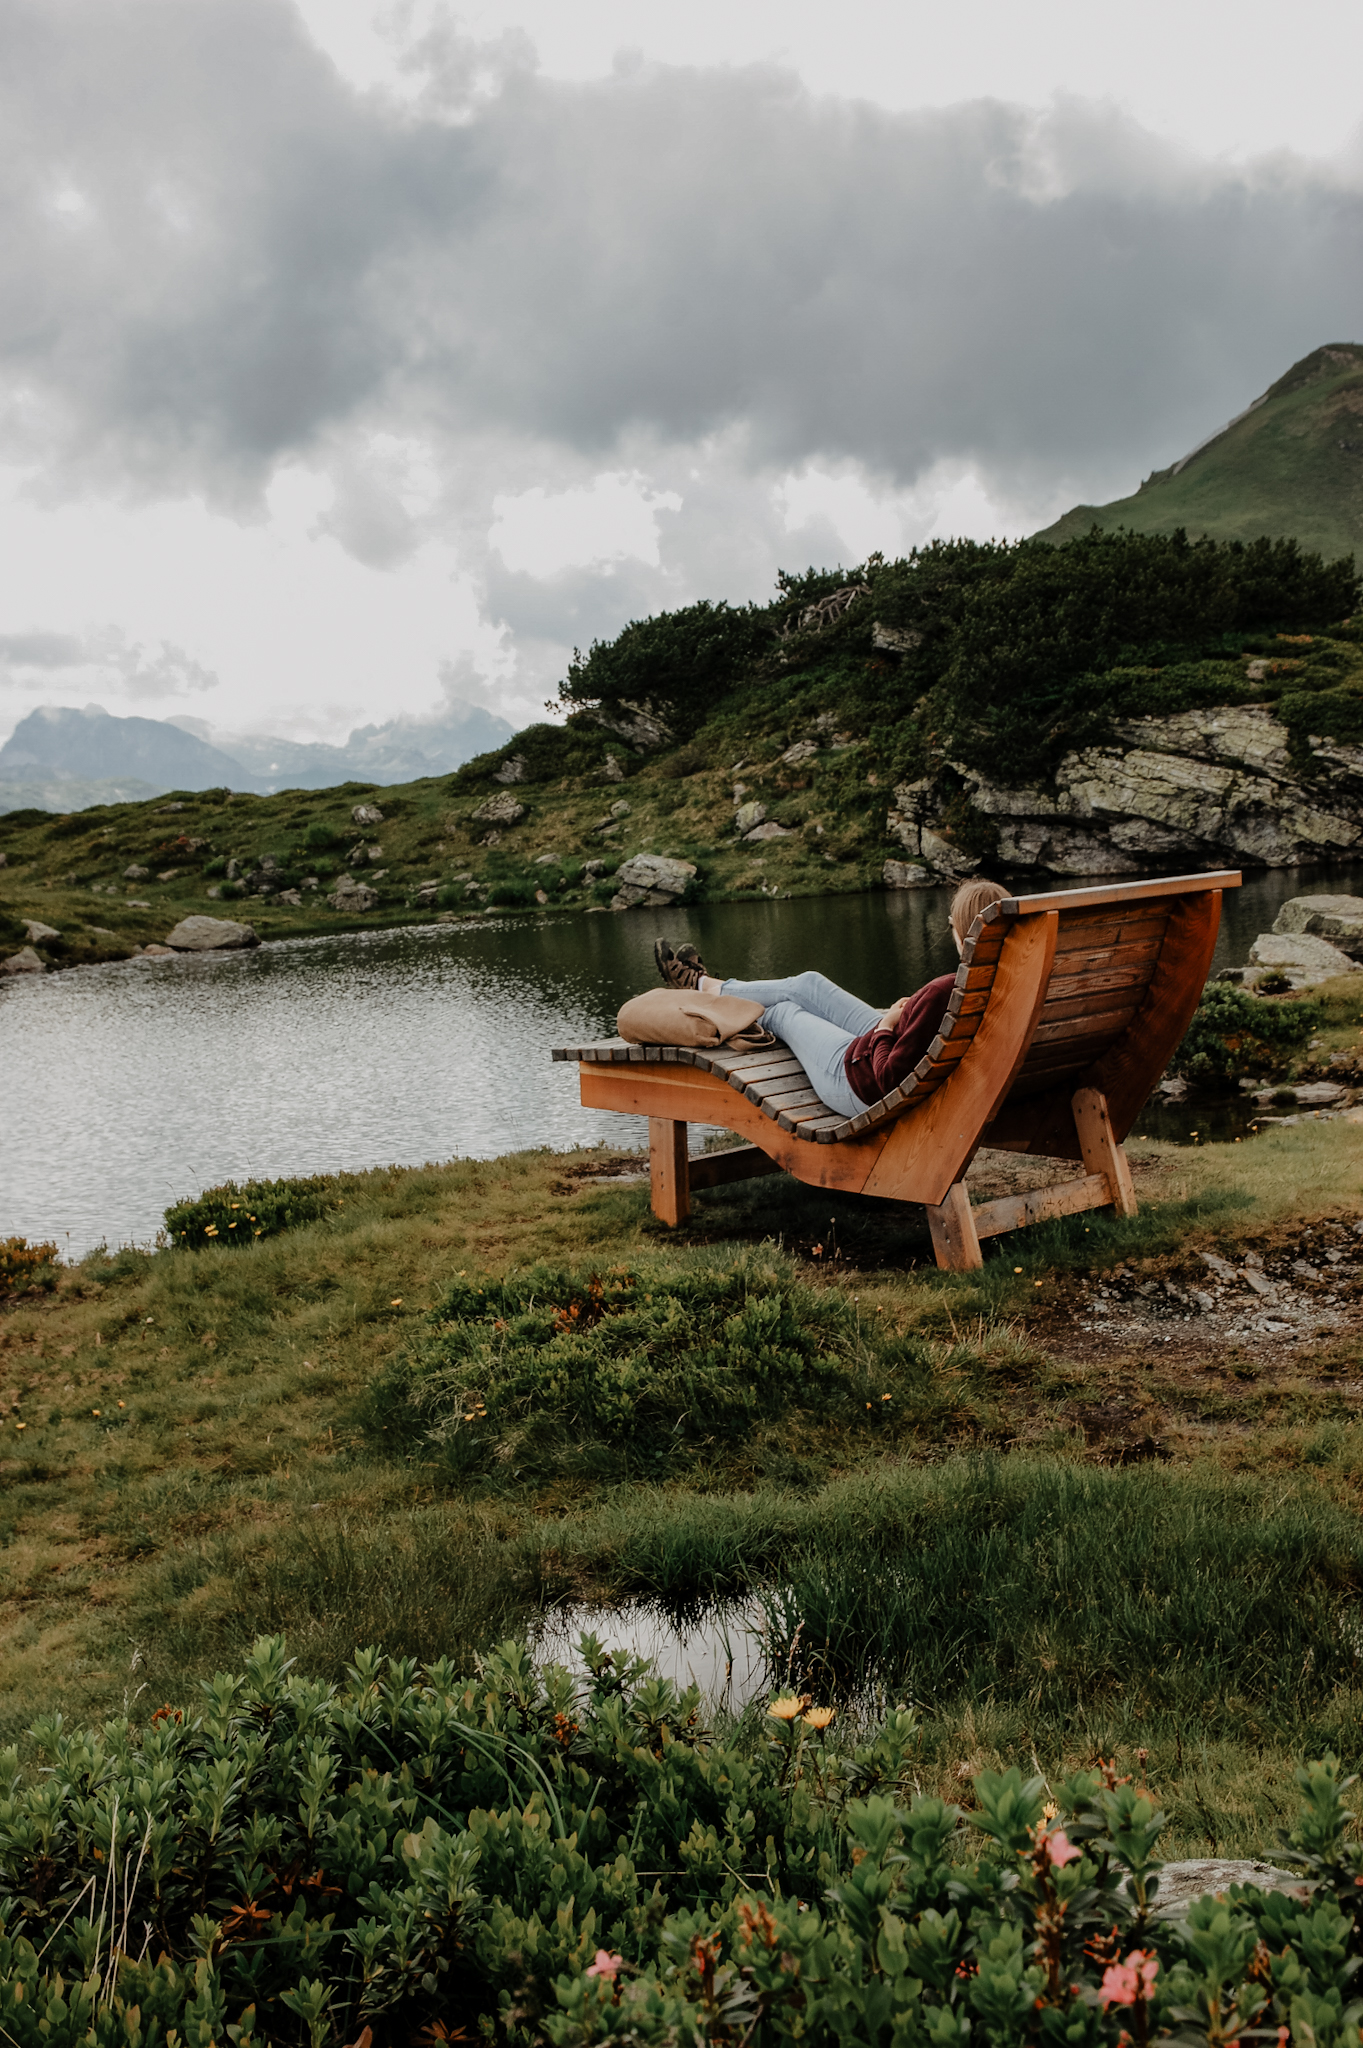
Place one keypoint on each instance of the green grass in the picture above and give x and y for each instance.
(240, 1474)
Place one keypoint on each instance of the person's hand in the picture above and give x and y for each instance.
(890, 1021)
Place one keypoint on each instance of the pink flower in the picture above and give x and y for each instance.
(1124, 1983)
(1059, 1848)
(606, 1965)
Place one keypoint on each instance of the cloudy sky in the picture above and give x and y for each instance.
(355, 359)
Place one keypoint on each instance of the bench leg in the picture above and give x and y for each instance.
(954, 1238)
(670, 1180)
(1102, 1153)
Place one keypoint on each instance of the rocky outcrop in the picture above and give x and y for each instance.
(367, 814)
(210, 935)
(1203, 787)
(502, 809)
(638, 724)
(651, 878)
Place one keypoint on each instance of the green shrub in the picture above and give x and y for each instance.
(1233, 1033)
(216, 866)
(420, 1856)
(27, 1268)
(319, 836)
(240, 1213)
(643, 1360)
(513, 895)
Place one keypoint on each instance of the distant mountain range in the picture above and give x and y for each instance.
(1290, 465)
(63, 759)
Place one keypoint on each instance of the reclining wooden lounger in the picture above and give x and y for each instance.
(1066, 1011)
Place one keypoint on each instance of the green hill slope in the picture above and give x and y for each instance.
(1291, 466)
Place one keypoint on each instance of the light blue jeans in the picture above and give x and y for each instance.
(818, 1021)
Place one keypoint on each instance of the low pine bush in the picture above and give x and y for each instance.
(642, 1360)
(1233, 1033)
(421, 1856)
(240, 1213)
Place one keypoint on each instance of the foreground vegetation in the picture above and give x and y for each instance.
(431, 1856)
(906, 1476)
(812, 711)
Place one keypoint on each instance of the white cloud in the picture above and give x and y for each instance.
(612, 519)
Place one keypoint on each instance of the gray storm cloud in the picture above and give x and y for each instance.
(218, 254)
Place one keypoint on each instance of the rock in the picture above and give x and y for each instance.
(651, 878)
(135, 873)
(155, 952)
(502, 809)
(1181, 1883)
(610, 770)
(100, 931)
(771, 830)
(35, 933)
(426, 894)
(362, 855)
(1337, 918)
(210, 935)
(747, 816)
(161, 808)
(291, 896)
(906, 874)
(1305, 1094)
(1301, 959)
(4, 860)
(593, 868)
(946, 858)
(546, 860)
(25, 961)
(620, 809)
(513, 769)
(167, 874)
(540, 896)
(350, 895)
(137, 903)
(802, 751)
(367, 814)
(1174, 1088)
(894, 639)
(639, 724)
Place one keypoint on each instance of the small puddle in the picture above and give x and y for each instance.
(723, 1650)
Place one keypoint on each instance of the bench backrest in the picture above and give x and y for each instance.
(1110, 944)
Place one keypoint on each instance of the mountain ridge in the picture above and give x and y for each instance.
(1289, 466)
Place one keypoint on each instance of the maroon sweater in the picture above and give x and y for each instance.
(879, 1060)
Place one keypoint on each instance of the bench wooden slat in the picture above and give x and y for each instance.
(1121, 892)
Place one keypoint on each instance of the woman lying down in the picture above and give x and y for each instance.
(852, 1053)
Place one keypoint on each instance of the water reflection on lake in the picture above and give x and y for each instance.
(723, 1651)
(131, 1085)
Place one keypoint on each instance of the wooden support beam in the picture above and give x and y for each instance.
(1101, 1152)
(668, 1170)
(1015, 1212)
(736, 1162)
(954, 1238)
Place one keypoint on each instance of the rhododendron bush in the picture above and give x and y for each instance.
(528, 1856)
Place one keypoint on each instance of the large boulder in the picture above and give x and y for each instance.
(1336, 918)
(25, 961)
(350, 895)
(748, 817)
(1298, 957)
(651, 878)
(367, 814)
(36, 932)
(210, 935)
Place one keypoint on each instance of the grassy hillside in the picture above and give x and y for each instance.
(814, 708)
(1292, 466)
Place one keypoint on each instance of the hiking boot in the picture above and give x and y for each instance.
(689, 957)
(675, 971)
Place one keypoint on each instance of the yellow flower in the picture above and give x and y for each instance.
(397, 1303)
(787, 1709)
(818, 1717)
(210, 1230)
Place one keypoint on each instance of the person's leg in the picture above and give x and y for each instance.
(821, 1049)
(814, 993)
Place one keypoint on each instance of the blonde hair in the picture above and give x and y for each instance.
(970, 899)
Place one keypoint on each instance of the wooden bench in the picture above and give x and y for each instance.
(1065, 1012)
